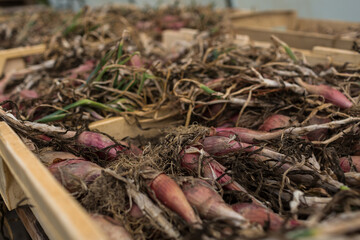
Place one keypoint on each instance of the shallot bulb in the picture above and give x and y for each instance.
(113, 229)
(169, 193)
(70, 173)
(275, 121)
(107, 149)
(330, 94)
(210, 204)
(345, 163)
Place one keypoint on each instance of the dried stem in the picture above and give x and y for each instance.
(152, 211)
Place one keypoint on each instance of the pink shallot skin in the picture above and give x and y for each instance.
(262, 216)
(136, 61)
(84, 69)
(274, 122)
(135, 211)
(226, 125)
(208, 202)
(320, 134)
(44, 137)
(244, 135)
(345, 164)
(113, 229)
(69, 172)
(22, 95)
(28, 94)
(51, 157)
(105, 145)
(219, 146)
(170, 194)
(211, 169)
(330, 94)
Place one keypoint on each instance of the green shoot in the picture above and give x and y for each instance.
(83, 102)
(141, 85)
(290, 53)
(101, 64)
(144, 77)
(73, 25)
(209, 90)
(128, 58)
(302, 233)
(124, 104)
(215, 54)
(99, 77)
(118, 56)
(130, 84)
(285, 46)
(121, 83)
(120, 50)
(206, 89)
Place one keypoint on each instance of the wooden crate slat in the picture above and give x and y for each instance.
(338, 55)
(119, 127)
(59, 214)
(31, 224)
(268, 19)
(19, 52)
(313, 25)
(295, 39)
(10, 190)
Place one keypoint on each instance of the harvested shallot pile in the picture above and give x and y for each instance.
(266, 146)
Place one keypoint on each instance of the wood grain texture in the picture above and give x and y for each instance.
(58, 213)
(303, 40)
(31, 224)
(330, 26)
(268, 19)
(119, 127)
(338, 55)
(10, 190)
(19, 52)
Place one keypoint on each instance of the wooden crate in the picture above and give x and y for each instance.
(324, 26)
(23, 176)
(24, 179)
(285, 19)
(9, 56)
(317, 55)
(297, 32)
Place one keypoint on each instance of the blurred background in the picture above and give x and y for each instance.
(345, 10)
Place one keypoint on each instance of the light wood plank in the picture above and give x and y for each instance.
(338, 55)
(19, 52)
(330, 26)
(14, 64)
(31, 224)
(58, 213)
(268, 19)
(172, 37)
(119, 128)
(295, 39)
(10, 190)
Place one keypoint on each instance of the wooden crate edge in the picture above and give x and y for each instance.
(59, 214)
